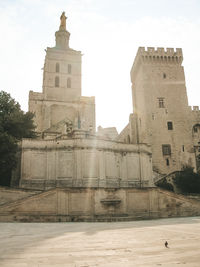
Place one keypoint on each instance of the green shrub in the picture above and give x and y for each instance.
(165, 185)
(187, 180)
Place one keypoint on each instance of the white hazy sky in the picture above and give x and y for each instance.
(108, 32)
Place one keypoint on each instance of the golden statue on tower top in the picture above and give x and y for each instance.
(63, 21)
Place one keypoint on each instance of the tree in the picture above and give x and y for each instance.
(165, 185)
(187, 180)
(15, 124)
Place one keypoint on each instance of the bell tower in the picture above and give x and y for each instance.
(62, 68)
(61, 102)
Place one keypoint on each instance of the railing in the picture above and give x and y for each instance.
(161, 177)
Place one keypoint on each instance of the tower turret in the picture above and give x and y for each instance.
(62, 36)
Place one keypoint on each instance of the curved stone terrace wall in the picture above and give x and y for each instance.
(84, 163)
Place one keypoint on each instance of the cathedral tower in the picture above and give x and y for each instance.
(61, 102)
(62, 68)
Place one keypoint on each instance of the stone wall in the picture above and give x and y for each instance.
(49, 114)
(12, 194)
(84, 163)
(161, 105)
(99, 204)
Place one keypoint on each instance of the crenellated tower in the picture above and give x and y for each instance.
(160, 106)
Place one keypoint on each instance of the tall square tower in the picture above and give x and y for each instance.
(160, 106)
(61, 101)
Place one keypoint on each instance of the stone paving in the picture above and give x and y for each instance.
(137, 243)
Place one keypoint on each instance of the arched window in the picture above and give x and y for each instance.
(69, 68)
(57, 81)
(68, 83)
(57, 67)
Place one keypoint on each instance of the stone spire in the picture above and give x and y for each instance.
(62, 36)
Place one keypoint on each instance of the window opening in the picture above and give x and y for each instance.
(166, 150)
(170, 125)
(68, 83)
(167, 162)
(57, 67)
(69, 68)
(161, 102)
(195, 129)
(57, 81)
(183, 148)
(164, 76)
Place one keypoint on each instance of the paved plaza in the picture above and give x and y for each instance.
(138, 243)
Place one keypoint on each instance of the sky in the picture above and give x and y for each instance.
(108, 33)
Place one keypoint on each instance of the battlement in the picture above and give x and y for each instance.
(160, 54)
(35, 95)
(87, 99)
(195, 108)
(161, 51)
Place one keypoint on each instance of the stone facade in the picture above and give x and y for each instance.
(72, 173)
(98, 204)
(69, 152)
(84, 162)
(161, 115)
(61, 103)
(109, 133)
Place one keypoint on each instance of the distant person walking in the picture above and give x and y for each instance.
(166, 244)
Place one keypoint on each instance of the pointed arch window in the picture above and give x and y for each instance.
(68, 82)
(57, 67)
(56, 81)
